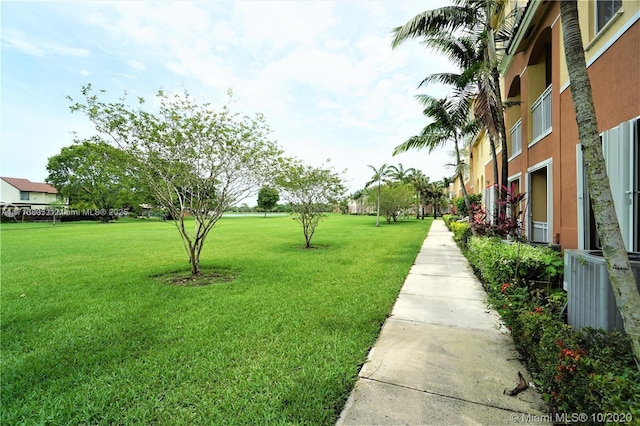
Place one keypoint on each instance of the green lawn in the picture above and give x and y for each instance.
(88, 337)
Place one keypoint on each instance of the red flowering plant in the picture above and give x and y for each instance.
(570, 373)
(507, 222)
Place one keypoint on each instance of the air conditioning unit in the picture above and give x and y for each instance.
(591, 302)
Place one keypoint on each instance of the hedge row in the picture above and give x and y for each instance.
(586, 371)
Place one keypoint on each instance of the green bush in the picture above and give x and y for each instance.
(461, 232)
(461, 207)
(449, 218)
(596, 373)
(586, 371)
(499, 263)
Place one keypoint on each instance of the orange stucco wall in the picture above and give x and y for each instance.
(615, 80)
(615, 83)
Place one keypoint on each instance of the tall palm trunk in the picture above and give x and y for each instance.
(502, 133)
(496, 176)
(496, 110)
(378, 210)
(618, 266)
(467, 202)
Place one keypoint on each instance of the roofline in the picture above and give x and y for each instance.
(4, 178)
(529, 12)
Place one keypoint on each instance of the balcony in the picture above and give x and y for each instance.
(541, 116)
(516, 138)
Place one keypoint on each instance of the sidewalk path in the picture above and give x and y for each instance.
(442, 357)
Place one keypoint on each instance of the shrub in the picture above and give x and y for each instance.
(586, 371)
(448, 218)
(461, 232)
(595, 373)
(461, 207)
(508, 221)
(499, 263)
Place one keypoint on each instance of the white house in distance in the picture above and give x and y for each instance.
(22, 193)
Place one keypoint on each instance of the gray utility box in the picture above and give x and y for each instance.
(591, 302)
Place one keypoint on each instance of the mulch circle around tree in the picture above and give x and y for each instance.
(206, 277)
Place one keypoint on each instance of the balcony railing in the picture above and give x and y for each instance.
(541, 115)
(516, 138)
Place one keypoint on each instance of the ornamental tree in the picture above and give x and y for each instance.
(196, 160)
(395, 198)
(310, 191)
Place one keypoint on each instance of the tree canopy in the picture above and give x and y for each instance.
(394, 199)
(92, 174)
(195, 159)
(310, 191)
(268, 198)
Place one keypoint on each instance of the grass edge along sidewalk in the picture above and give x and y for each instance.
(89, 337)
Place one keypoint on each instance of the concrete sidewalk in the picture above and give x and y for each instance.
(442, 357)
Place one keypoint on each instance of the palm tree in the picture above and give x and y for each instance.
(437, 192)
(475, 53)
(379, 175)
(613, 248)
(399, 173)
(419, 182)
(451, 123)
(473, 81)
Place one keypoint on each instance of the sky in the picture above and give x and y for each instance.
(323, 74)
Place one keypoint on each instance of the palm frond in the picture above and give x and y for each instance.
(486, 106)
(507, 26)
(444, 19)
(428, 141)
(461, 50)
(450, 79)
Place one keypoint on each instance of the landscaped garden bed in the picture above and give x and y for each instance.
(578, 371)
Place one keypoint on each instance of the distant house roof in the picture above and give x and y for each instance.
(27, 186)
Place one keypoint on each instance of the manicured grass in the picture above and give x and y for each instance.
(88, 336)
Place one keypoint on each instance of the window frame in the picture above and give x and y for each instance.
(601, 26)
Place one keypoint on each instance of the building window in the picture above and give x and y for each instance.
(24, 196)
(605, 10)
(541, 115)
(516, 138)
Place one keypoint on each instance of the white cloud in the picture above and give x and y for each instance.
(277, 26)
(136, 65)
(14, 39)
(323, 73)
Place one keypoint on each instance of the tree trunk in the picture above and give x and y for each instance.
(378, 210)
(498, 116)
(467, 203)
(194, 260)
(615, 253)
(502, 132)
(496, 176)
